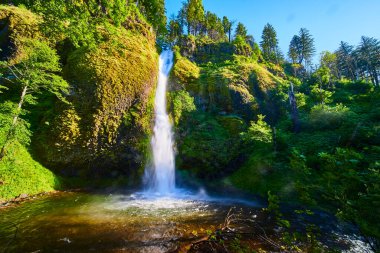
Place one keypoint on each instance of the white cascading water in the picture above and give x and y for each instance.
(162, 176)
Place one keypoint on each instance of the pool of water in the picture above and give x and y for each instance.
(80, 222)
(139, 222)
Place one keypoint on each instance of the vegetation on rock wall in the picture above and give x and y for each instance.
(20, 174)
(244, 116)
(108, 83)
(102, 126)
(306, 136)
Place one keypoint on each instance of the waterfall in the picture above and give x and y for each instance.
(161, 176)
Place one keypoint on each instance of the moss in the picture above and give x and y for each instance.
(233, 124)
(112, 101)
(181, 103)
(17, 24)
(21, 174)
(185, 73)
(205, 149)
(209, 144)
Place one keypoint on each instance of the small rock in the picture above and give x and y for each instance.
(23, 196)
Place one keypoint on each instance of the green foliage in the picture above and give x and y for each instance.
(182, 103)
(208, 147)
(9, 132)
(194, 15)
(302, 48)
(81, 23)
(319, 95)
(269, 44)
(36, 68)
(154, 11)
(241, 31)
(329, 60)
(214, 27)
(227, 26)
(241, 47)
(328, 117)
(21, 174)
(185, 72)
(259, 132)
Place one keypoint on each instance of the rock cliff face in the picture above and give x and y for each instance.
(108, 120)
(222, 97)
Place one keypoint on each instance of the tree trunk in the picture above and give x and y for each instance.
(294, 109)
(15, 118)
(376, 78)
(274, 137)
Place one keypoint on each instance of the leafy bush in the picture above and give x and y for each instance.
(21, 174)
(328, 117)
(259, 132)
(181, 103)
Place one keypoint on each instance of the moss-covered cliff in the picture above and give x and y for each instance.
(110, 112)
(102, 127)
(227, 95)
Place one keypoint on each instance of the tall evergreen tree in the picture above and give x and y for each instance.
(346, 61)
(174, 29)
(214, 26)
(227, 26)
(241, 30)
(154, 11)
(307, 46)
(269, 44)
(368, 54)
(194, 16)
(302, 48)
(294, 49)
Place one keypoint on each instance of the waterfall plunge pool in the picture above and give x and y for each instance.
(137, 222)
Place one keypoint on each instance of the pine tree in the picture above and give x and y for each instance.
(241, 30)
(213, 27)
(227, 26)
(302, 49)
(269, 44)
(368, 54)
(346, 61)
(294, 49)
(194, 16)
(174, 29)
(307, 46)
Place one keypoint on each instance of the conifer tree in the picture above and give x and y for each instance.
(269, 44)
(346, 61)
(241, 30)
(194, 16)
(227, 26)
(301, 48)
(368, 54)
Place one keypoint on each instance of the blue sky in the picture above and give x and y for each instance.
(329, 21)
